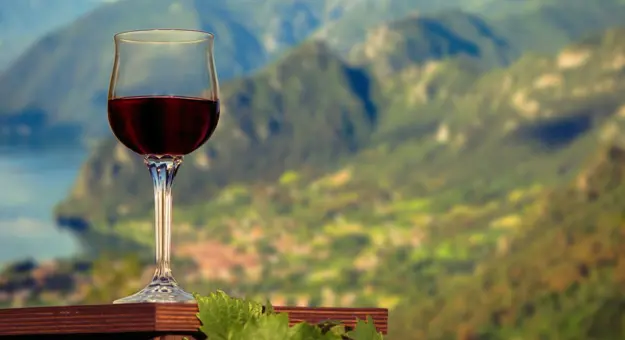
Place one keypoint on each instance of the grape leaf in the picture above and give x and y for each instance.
(306, 331)
(365, 330)
(268, 327)
(227, 318)
(276, 326)
(222, 316)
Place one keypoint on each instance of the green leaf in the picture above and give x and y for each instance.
(222, 317)
(365, 330)
(227, 318)
(269, 327)
(306, 331)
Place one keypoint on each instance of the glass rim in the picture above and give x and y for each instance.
(178, 36)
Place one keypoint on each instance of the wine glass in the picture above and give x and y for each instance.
(163, 103)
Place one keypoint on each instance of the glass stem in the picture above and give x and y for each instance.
(163, 170)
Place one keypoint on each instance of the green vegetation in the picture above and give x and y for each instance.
(416, 40)
(560, 277)
(474, 205)
(227, 318)
(540, 118)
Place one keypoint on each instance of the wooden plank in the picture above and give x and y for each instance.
(150, 319)
(109, 336)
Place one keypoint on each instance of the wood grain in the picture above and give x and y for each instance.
(153, 321)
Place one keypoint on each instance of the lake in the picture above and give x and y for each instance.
(33, 181)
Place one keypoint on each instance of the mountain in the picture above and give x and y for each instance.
(378, 110)
(62, 79)
(395, 148)
(309, 110)
(548, 25)
(560, 277)
(497, 196)
(23, 22)
(392, 47)
(528, 243)
(542, 25)
(347, 24)
(65, 75)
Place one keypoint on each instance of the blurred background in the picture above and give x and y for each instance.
(460, 162)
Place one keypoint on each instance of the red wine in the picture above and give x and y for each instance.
(163, 125)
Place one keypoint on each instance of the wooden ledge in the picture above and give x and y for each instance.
(158, 320)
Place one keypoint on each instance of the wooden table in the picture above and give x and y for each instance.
(146, 321)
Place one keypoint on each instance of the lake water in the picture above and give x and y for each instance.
(32, 182)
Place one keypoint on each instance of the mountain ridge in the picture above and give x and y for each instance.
(535, 138)
(260, 103)
(69, 84)
(255, 125)
(18, 35)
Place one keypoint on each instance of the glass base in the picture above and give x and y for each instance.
(158, 292)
